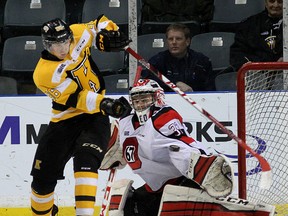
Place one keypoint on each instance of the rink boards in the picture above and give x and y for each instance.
(27, 115)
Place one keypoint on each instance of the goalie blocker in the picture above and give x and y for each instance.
(213, 173)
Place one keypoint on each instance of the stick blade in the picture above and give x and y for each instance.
(266, 180)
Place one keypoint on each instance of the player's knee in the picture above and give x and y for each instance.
(43, 187)
(85, 161)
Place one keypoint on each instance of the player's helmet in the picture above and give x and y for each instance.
(144, 94)
(55, 31)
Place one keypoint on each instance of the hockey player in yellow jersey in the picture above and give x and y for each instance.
(79, 126)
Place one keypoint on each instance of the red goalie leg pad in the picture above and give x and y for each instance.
(115, 202)
(185, 201)
(194, 208)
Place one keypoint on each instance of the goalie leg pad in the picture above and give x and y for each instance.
(178, 200)
(213, 173)
(119, 193)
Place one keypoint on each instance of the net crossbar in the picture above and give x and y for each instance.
(262, 101)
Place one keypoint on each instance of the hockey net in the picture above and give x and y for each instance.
(262, 101)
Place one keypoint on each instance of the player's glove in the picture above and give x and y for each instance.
(127, 106)
(115, 107)
(111, 41)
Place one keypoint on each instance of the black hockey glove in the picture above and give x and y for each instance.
(116, 108)
(127, 106)
(111, 41)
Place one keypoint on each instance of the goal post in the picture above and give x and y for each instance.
(262, 118)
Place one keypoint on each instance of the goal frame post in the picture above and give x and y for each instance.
(241, 113)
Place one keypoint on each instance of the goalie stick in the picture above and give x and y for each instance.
(112, 174)
(107, 193)
(266, 178)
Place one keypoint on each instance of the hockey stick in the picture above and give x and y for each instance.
(266, 178)
(112, 174)
(106, 200)
(107, 195)
(138, 75)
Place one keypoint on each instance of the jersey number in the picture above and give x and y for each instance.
(130, 147)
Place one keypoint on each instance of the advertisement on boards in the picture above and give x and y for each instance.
(24, 119)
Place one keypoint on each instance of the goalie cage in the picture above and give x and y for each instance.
(262, 103)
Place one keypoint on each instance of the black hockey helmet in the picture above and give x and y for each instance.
(54, 31)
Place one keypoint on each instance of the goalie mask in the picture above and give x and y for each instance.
(55, 31)
(144, 94)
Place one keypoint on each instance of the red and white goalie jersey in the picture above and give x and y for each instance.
(151, 149)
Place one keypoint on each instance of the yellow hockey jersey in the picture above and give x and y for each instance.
(74, 84)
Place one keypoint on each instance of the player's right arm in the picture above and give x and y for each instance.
(54, 82)
(68, 96)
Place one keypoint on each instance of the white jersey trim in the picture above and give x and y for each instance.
(60, 69)
(60, 115)
(91, 101)
(61, 88)
(80, 45)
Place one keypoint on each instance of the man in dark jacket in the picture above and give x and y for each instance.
(189, 70)
(259, 38)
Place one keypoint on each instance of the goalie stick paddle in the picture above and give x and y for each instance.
(112, 174)
(107, 194)
(266, 178)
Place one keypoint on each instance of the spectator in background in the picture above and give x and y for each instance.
(259, 38)
(189, 70)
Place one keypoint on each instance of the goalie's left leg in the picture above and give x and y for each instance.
(178, 200)
(119, 193)
(213, 173)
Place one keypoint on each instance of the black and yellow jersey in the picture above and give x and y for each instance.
(74, 84)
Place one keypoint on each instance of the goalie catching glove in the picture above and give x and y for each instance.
(111, 41)
(115, 107)
(213, 173)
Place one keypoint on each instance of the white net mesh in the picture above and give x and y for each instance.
(266, 107)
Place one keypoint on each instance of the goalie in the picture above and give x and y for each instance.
(155, 143)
